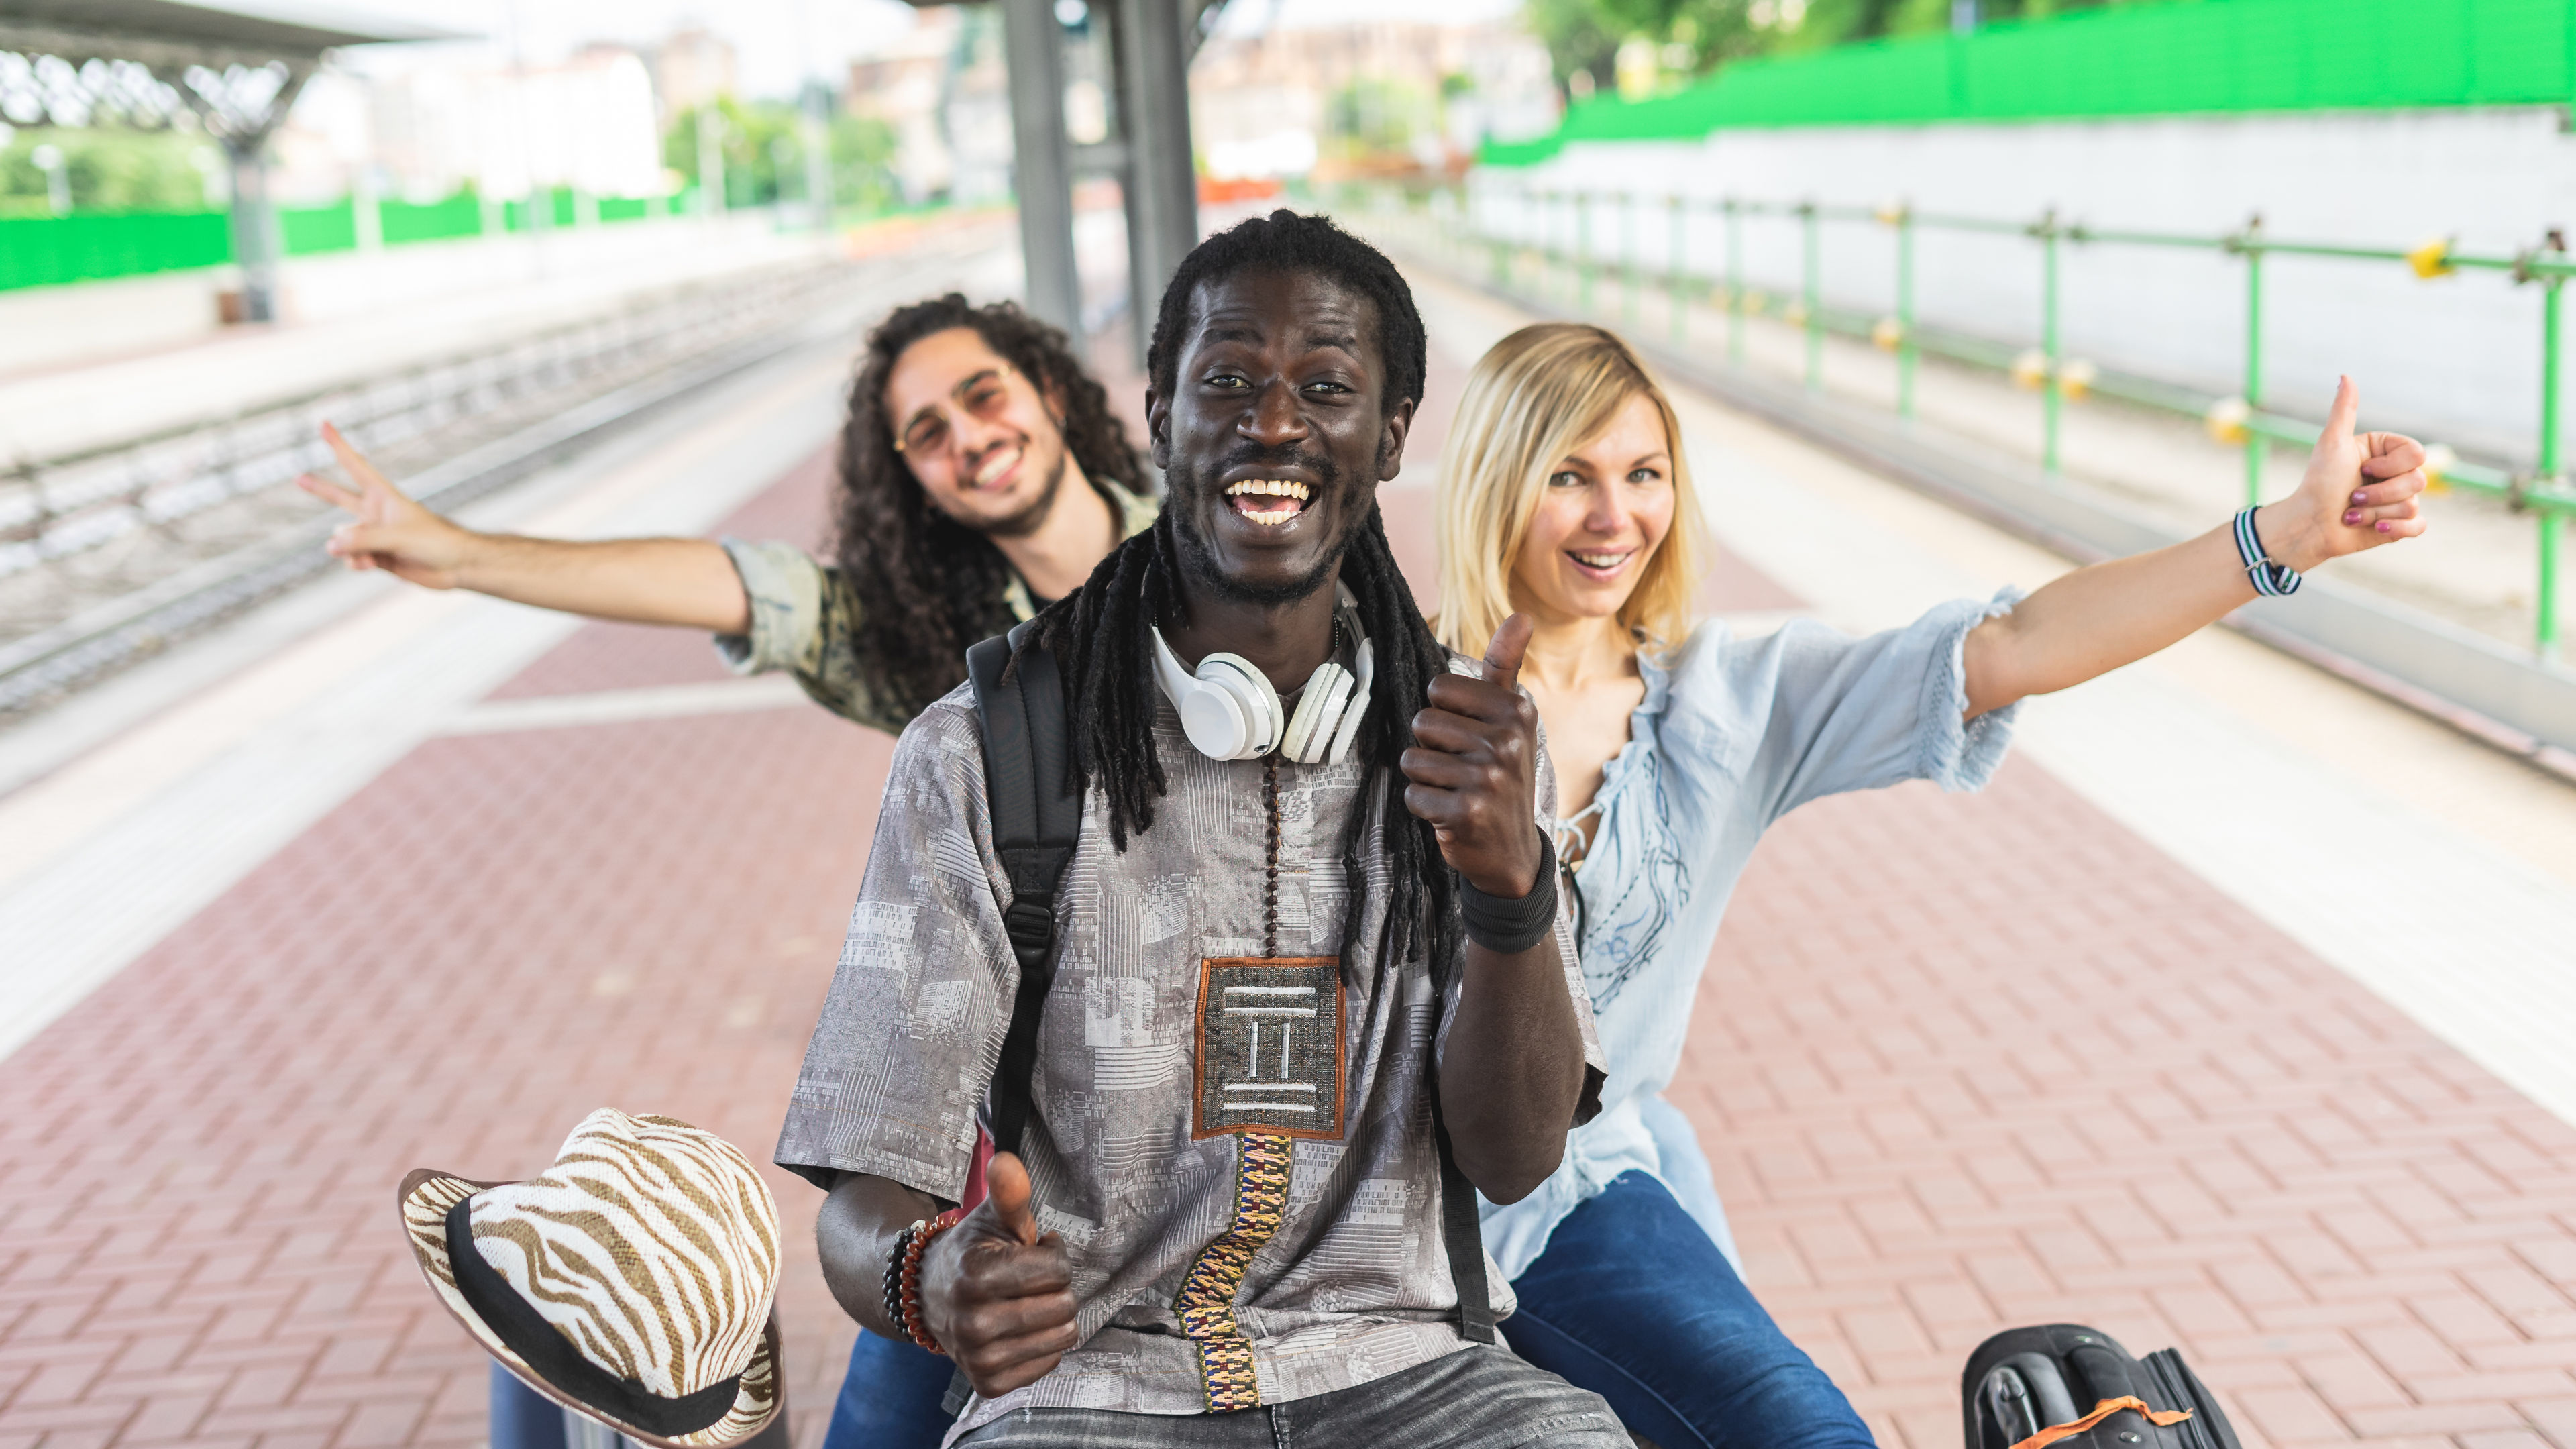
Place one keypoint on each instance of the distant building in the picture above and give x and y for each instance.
(941, 87)
(1290, 101)
(690, 68)
(588, 123)
(904, 84)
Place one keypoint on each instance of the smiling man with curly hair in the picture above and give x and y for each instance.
(982, 475)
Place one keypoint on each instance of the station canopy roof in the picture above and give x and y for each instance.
(163, 33)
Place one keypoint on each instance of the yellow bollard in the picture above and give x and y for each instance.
(2226, 420)
(2432, 259)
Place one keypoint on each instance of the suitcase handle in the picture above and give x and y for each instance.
(2103, 1410)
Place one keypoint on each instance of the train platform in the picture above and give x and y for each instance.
(2233, 1016)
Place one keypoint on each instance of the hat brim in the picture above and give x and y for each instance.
(425, 1198)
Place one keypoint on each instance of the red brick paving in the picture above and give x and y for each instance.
(496, 936)
(1963, 1063)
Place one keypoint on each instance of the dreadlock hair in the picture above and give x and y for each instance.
(928, 586)
(1102, 633)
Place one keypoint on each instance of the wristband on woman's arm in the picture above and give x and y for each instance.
(2272, 580)
(1508, 927)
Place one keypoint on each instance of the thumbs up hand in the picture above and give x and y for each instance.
(1473, 769)
(998, 1294)
(2360, 492)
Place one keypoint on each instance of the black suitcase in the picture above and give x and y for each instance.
(2074, 1387)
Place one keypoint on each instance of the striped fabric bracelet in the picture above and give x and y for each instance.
(2272, 580)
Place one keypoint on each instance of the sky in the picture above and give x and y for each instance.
(775, 40)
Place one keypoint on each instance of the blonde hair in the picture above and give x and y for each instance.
(1534, 398)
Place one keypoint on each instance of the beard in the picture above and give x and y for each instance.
(1200, 560)
(1031, 516)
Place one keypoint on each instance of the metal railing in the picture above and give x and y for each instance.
(1563, 223)
(61, 506)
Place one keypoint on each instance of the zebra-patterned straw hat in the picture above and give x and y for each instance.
(633, 1282)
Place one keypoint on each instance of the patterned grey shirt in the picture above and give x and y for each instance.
(1230, 1191)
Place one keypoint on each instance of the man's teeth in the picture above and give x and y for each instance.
(1273, 487)
(995, 466)
(1600, 560)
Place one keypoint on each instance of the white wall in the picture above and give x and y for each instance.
(2457, 357)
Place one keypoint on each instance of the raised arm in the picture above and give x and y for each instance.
(1511, 1074)
(682, 581)
(2359, 492)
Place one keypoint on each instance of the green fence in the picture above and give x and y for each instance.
(44, 251)
(407, 221)
(305, 230)
(1575, 241)
(2178, 58)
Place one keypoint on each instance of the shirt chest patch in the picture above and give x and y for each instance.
(1269, 1053)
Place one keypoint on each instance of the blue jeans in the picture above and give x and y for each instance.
(1631, 1300)
(890, 1400)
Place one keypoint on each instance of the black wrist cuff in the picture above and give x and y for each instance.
(1510, 927)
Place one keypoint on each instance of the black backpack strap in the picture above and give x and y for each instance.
(1036, 819)
(1461, 1233)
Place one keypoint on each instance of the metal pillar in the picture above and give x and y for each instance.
(1813, 297)
(1151, 53)
(816, 128)
(2051, 401)
(257, 244)
(711, 165)
(1734, 281)
(2257, 449)
(1674, 290)
(1906, 350)
(1041, 166)
(2552, 522)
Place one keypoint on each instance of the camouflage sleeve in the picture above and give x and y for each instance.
(804, 619)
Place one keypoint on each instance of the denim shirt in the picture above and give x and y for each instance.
(1732, 735)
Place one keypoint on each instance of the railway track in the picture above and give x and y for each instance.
(113, 555)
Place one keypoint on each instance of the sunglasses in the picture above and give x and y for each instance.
(982, 397)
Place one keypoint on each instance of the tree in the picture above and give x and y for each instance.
(1695, 37)
(108, 170)
(1585, 35)
(749, 133)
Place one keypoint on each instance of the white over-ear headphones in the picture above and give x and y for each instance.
(1230, 712)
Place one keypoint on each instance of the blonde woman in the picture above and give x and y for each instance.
(1564, 496)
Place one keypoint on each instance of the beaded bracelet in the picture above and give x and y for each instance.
(894, 1273)
(903, 1272)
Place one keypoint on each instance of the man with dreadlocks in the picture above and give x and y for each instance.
(981, 473)
(1311, 989)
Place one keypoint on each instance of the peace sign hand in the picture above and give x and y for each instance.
(387, 529)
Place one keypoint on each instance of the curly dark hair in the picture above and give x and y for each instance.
(1102, 633)
(928, 586)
